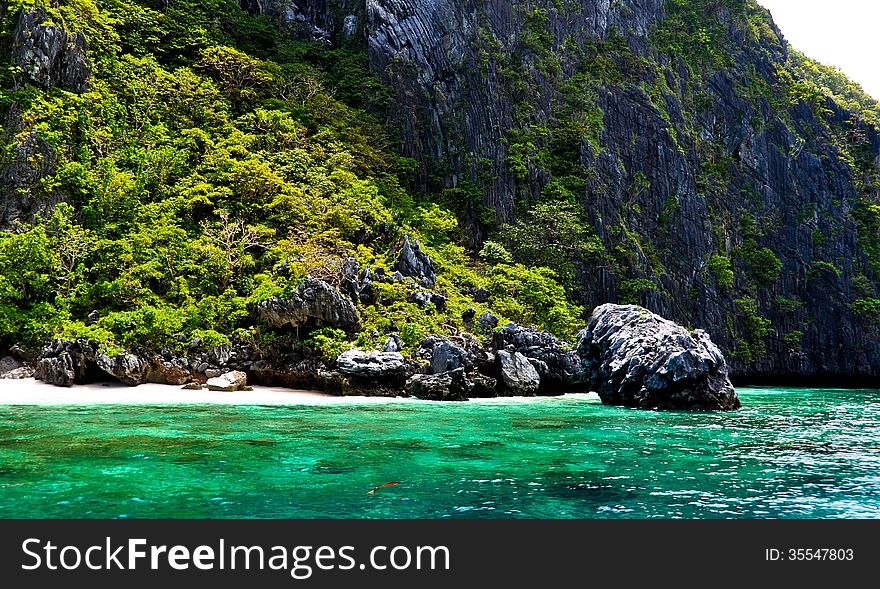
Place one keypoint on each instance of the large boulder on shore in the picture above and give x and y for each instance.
(454, 385)
(518, 377)
(373, 373)
(228, 382)
(313, 303)
(448, 386)
(638, 359)
(558, 365)
(125, 367)
(64, 363)
(373, 364)
(171, 370)
(12, 369)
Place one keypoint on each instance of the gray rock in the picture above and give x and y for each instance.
(192, 386)
(58, 370)
(18, 373)
(447, 356)
(372, 365)
(488, 322)
(559, 366)
(448, 386)
(421, 298)
(518, 376)
(48, 55)
(93, 318)
(314, 303)
(453, 385)
(12, 369)
(349, 26)
(393, 343)
(68, 362)
(481, 386)
(126, 368)
(8, 364)
(27, 159)
(221, 355)
(638, 359)
(415, 263)
(213, 372)
(228, 382)
(480, 295)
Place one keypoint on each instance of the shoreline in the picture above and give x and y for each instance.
(31, 392)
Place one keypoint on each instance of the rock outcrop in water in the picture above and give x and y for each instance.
(638, 359)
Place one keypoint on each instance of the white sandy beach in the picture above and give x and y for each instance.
(33, 392)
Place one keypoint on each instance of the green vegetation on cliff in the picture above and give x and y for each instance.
(210, 150)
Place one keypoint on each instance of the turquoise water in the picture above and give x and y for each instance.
(788, 453)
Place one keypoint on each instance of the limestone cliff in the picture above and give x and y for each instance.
(728, 196)
(45, 54)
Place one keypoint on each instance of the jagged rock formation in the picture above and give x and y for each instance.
(169, 369)
(638, 359)
(48, 54)
(452, 98)
(518, 377)
(372, 364)
(697, 164)
(126, 368)
(627, 354)
(314, 303)
(559, 367)
(68, 362)
(453, 385)
(64, 363)
(28, 159)
(448, 386)
(415, 263)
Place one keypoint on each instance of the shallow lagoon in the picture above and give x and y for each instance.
(790, 453)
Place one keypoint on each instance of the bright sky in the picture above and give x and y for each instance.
(843, 33)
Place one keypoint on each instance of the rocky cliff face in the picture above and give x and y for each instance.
(326, 21)
(465, 72)
(45, 54)
(726, 196)
(49, 55)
